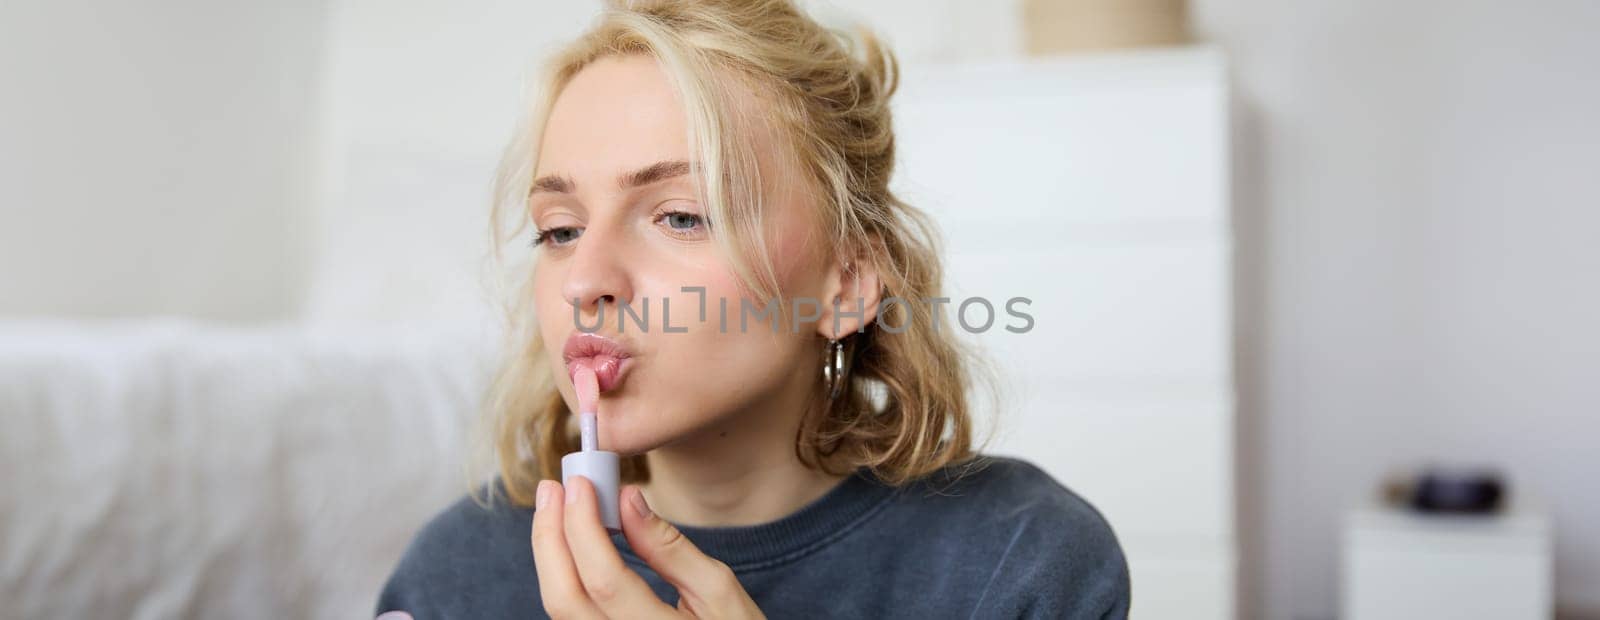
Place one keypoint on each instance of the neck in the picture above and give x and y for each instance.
(741, 472)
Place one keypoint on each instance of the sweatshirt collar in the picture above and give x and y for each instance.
(851, 502)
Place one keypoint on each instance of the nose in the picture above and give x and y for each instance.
(596, 274)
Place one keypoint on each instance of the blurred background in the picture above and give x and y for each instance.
(1286, 257)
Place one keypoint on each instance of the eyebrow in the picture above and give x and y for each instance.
(551, 183)
(653, 173)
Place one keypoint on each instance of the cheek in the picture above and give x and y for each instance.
(796, 257)
(739, 357)
(553, 313)
(668, 282)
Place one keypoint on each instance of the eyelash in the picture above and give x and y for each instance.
(542, 235)
(700, 220)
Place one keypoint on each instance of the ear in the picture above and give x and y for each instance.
(850, 296)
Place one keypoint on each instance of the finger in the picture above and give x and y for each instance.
(611, 585)
(559, 588)
(703, 582)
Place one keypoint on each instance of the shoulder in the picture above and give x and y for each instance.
(467, 528)
(1057, 555)
(1005, 489)
(463, 559)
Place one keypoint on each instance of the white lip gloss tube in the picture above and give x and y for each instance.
(599, 466)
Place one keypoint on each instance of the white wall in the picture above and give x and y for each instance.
(1419, 232)
(420, 98)
(153, 156)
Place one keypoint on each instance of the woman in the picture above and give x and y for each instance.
(793, 419)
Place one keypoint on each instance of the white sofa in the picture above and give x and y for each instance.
(165, 468)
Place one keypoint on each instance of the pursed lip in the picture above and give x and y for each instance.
(606, 357)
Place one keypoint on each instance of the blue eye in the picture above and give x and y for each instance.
(561, 235)
(682, 224)
(682, 221)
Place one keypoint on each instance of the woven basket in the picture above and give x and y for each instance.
(1057, 26)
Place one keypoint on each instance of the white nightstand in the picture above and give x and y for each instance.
(1398, 564)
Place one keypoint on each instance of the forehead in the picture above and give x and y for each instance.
(618, 113)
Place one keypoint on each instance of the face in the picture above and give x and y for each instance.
(620, 222)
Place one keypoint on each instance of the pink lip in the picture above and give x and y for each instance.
(608, 358)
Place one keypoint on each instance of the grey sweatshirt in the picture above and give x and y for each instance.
(1004, 540)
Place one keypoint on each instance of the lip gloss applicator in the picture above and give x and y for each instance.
(599, 466)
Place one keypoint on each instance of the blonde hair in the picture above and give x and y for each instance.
(904, 410)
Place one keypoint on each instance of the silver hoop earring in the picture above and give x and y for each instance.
(833, 369)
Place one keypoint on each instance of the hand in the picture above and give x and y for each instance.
(581, 575)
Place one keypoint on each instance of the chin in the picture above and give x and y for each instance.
(633, 439)
(631, 443)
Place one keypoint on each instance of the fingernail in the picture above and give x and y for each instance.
(639, 505)
(542, 495)
(572, 491)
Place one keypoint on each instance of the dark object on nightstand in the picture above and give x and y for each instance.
(1457, 492)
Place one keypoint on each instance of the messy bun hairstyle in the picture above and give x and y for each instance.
(739, 66)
